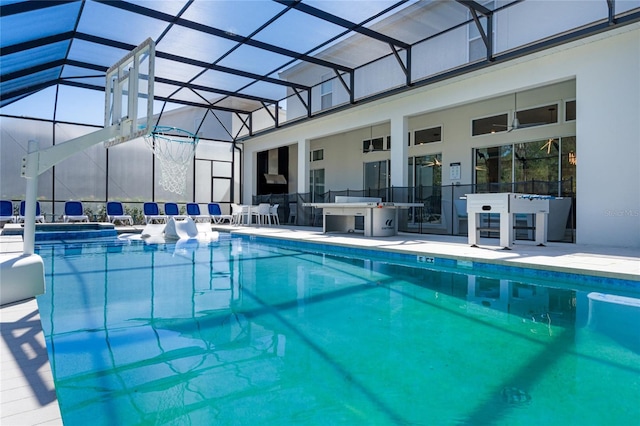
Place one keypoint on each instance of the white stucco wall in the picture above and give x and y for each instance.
(608, 135)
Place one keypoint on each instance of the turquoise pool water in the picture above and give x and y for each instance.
(238, 332)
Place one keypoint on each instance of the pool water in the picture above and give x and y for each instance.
(234, 332)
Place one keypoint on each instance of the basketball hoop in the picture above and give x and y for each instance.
(175, 149)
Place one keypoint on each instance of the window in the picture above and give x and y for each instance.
(316, 185)
(425, 175)
(317, 155)
(433, 134)
(376, 175)
(493, 167)
(483, 126)
(375, 144)
(326, 92)
(546, 160)
(477, 49)
(570, 111)
(568, 161)
(538, 116)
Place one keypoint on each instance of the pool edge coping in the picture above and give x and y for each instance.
(511, 266)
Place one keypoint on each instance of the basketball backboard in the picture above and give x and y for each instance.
(129, 94)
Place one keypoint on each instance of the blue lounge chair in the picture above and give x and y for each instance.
(193, 210)
(73, 212)
(172, 210)
(115, 212)
(152, 213)
(6, 212)
(215, 213)
(39, 215)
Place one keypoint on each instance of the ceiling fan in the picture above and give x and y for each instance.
(435, 162)
(515, 124)
(548, 144)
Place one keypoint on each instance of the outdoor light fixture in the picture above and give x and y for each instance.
(371, 147)
(515, 123)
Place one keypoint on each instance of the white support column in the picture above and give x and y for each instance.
(29, 233)
(399, 151)
(248, 174)
(303, 165)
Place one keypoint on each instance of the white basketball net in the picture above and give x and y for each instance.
(174, 148)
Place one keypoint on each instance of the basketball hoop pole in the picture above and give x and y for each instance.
(38, 161)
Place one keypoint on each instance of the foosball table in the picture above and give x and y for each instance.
(507, 205)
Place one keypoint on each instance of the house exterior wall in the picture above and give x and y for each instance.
(514, 27)
(600, 72)
(608, 133)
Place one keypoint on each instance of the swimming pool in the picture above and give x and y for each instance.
(243, 332)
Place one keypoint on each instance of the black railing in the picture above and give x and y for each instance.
(441, 212)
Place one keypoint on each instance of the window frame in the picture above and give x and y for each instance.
(565, 119)
(326, 91)
(312, 157)
(440, 127)
(524, 124)
(496, 126)
(378, 144)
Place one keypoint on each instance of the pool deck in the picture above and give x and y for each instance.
(27, 394)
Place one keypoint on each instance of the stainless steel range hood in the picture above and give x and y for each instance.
(275, 179)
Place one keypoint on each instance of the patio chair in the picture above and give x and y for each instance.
(215, 213)
(73, 212)
(152, 213)
(293, 212)
(316, 216)
(240, 214)
(460, 214)
(262, 213)
(39, 215)
(273, 214)
(193, 210)
(172, 210)
(6, 212)
(115, 212)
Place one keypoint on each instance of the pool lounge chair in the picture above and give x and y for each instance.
(39, 215)
(6, 212)
(115, 212)
(215, 213)
(152, 213)
(172, 210)
(73, 212)
(193, 210)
